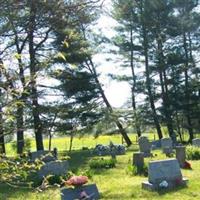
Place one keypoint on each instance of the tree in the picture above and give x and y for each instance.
(2, 142)
(32, 25)
(133, 15)
(125, 41)
(84, 58)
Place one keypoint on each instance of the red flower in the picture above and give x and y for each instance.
(77, 180)
(187, 165)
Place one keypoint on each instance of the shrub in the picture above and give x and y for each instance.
(102, 163)
(134, 170)
(193, 153)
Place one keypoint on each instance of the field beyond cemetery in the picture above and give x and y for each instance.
(116, 183)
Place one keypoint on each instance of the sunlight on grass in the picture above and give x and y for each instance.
(115, 183)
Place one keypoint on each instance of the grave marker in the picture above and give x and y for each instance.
(167, 171)
(196, 142)
(74, 193)
(145, 146)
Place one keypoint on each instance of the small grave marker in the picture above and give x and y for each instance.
(75, 193)
(180, 155)
(167, 146)
(145, 146)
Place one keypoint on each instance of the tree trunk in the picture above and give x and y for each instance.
(164, 89)
(148, 84)
(117, 122)
(50, 141)
(137, 125)
(2, 142)
(71, 141)
(20, 109)
(34, 93)
(20, 131)
(187, 92)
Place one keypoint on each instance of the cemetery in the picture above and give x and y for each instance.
(157, 176)
(100, 99)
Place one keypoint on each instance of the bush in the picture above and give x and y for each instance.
(102, 163)
(193, 153)
(134, 170)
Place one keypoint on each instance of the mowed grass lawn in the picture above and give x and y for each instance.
(113, 184)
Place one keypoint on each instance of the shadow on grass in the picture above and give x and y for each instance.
(7, 192)
(167, 191)
(79, 158)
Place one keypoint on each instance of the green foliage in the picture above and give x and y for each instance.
(87, 172)
(134, 170)
(193, 153)
(27, 145)
(19, 172)
(99, 163)
(54, 179)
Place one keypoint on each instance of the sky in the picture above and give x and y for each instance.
(116, 92)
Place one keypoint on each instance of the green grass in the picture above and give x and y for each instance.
(113, 184)
(62, 143)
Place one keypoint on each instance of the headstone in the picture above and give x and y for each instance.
(54, 168)
(144, 146)
(196, 142)
(48, 158)
(180, 155)
(138, 159)
(45, 156)
(75, 193)
(167, 146)
(164, 171)
(55, 152)
(156, 144)
(37, 154)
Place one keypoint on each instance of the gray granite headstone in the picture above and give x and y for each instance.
(164, 170)
(144, 146)
(166, 142)
(156, 144)
(180, 155)
(74, 193)
(196, 142)
(45, 156)
(138, 159)
(54, 168)
(37, 154)
(167, 145)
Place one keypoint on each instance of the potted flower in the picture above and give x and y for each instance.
(77, 181)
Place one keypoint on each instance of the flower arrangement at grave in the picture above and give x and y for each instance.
(163, 184)
(187, 165)
(77, 181)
